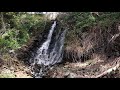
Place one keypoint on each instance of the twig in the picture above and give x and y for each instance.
(114, 37)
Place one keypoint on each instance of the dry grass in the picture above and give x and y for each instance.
(13, 68)
(88, 69)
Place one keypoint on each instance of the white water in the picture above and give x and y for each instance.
(42, 57)
(49, 53)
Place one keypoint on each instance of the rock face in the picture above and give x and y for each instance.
(25, 53)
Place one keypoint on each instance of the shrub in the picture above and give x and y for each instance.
(22, 27)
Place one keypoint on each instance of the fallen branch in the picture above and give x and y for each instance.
(109, 71)
(114, 37)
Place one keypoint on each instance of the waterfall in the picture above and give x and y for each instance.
(47, 56)
(42, 56)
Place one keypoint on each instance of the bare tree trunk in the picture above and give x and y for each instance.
(3, 24)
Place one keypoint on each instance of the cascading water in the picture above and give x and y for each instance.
(47, 56)
(42, 56)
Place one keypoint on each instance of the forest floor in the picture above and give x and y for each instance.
(13, 68)
(95, 68)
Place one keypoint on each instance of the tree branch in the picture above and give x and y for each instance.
(108, 71)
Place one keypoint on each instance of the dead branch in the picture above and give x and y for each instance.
(114, 37)
(109, 71)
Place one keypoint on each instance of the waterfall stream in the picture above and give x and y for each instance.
(47, 56)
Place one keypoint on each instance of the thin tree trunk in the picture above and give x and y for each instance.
(3, 24)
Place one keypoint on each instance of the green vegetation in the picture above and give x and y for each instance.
(18, 28)
(78, 22)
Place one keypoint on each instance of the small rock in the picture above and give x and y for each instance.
(11, 68)
(72, 75)
(66, 74)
